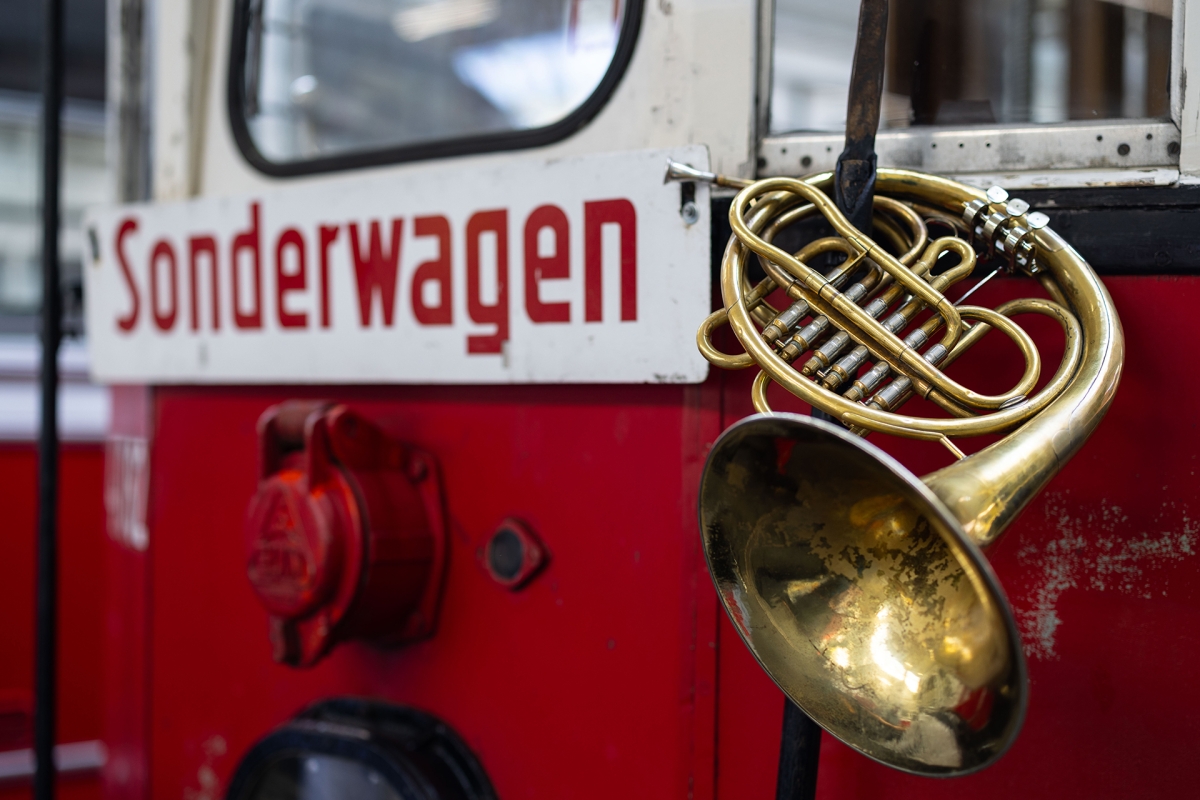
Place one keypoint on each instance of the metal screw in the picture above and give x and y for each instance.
(506, 554)
(689, 212)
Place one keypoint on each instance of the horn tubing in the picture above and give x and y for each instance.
(986, 491)
(846, 314)
(1081, 288)
(989, 490)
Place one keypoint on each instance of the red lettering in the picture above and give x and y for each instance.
(293, 282)
(196, 246)
(595, 216)
(539, 267)
(247, 240)
(497, 314)
(376, 273)
(436, 270)
(327, 234)
(165, 320)
(127, 227)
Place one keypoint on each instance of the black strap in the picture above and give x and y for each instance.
(854, 187)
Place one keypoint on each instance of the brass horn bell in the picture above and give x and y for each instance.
(861, 595)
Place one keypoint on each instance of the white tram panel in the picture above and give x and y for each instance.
(695, 77)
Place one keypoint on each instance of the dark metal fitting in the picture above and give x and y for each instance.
(514, 555)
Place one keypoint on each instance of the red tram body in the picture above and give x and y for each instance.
(615, 663)
(608, 667)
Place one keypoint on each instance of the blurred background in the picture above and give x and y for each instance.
(85, 179)
(84, 408)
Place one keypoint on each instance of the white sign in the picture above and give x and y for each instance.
(578, 270)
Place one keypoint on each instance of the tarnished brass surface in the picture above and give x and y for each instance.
(855, 589)
(859, 587)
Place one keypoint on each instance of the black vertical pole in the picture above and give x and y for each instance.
(854, 192)
(799, 750)
(46, 657)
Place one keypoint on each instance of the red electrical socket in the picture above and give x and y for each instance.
(346, 535)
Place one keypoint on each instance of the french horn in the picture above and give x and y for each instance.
(860, 588)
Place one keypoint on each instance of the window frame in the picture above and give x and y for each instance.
(1075, 153)
(627, 40)
(1021, 155)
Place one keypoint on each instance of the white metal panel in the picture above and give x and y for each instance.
(320, 282)
(692, 80)
(182, 67)
(1106, 145)
(1188, 19)
(170, 126)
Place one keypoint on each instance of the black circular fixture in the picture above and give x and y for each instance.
(513, 554)
(361, 749)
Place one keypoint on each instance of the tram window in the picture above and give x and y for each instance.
(977, 62)
(322, 80)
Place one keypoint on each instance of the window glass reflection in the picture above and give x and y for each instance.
(321, 777)
(977, 62)
(326, 77)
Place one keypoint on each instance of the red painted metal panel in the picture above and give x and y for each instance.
(611, 673)
(126, 616)
(81, 580)
(596, 680)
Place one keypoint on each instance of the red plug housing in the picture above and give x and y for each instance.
(346, 536)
